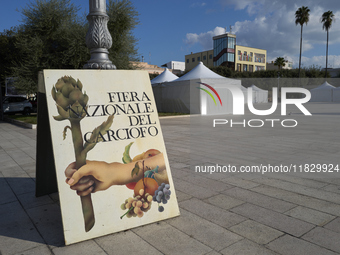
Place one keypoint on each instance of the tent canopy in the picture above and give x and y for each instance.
(324, 86)
(166, 76)
(255, 88)
(322, 93)
(200, 72)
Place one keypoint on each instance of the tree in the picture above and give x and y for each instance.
(7, 52)
(51, 37)
(301, 17)
(280, 62)
(327, 19)
(123, 19)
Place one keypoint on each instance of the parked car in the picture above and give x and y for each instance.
(16, 104)
(34, 103)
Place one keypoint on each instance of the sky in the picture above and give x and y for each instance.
(169, 30)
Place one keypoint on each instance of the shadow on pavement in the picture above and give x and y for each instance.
(26, 217)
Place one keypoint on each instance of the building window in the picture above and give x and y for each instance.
(245, 68)
(230, 57)
(231, 42)
(210, 56)
(251, 68)
(259, 68)
(260, 58)
(245, 57)
(193, 59)
(251, 57)
(239, 67)
(187, 60)
(198, 59)
(204, 57)
(239, 55)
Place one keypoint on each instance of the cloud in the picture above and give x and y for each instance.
(271, 25)
(204, 39)
(333, 61)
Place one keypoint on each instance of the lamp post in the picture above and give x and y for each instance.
(98, 38)
(278, 86)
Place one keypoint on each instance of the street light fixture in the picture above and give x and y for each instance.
(98, 38)
(278, 86)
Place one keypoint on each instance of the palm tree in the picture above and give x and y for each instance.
(326, 19)
(301, 17)
(280, 62)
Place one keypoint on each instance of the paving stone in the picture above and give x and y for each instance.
(213, 253)
(311, 192)
(17, 232)
(13, 171)
(332, 188)
(246, 247)
(181, 196)
(301, 181)
(314, 203)
(89, 247)
(235, 181)
(211, 213)
(169, 240)
(29, 200)
(47, 219)
(178, 173)
(325, 238)
(273, 219)
(192, 190)
(21, 185)
(40, 250)
(259, 199)
(256, 232)
(310, 215)
(207, 183)
(224, 201)
(334, 225)
(6, 192)
(204, 231)
(289, 245)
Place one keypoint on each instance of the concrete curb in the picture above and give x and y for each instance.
(21, 123)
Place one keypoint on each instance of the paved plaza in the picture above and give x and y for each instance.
(221, 212)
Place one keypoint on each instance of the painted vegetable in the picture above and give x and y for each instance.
(72, 105)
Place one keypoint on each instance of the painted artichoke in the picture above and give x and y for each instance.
(71, 101)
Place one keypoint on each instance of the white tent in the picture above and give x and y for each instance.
(336, 94)
(157, 86)
(259, 95)
(200, 91)
(323, 93)
(200, 72)
(165, 76)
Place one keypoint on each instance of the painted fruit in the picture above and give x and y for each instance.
(150, 153)
(150, 186)
(131, 185)
(138, 157)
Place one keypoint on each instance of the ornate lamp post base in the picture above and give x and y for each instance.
(98, 38)
(99, 60)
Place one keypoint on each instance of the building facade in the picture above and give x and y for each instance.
(250, 59)
(227, 53)
(193, 59)
(288, 65)
(153, 69)
(177, 67)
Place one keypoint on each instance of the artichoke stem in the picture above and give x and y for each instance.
(86, 201)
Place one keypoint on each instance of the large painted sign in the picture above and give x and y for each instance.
(111, 163)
